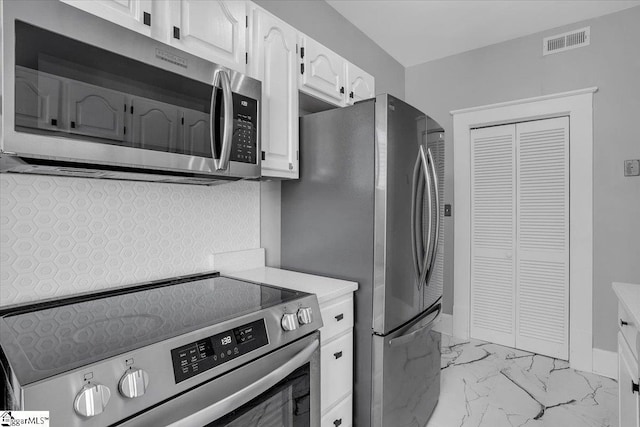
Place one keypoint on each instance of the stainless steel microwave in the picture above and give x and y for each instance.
(83, 96)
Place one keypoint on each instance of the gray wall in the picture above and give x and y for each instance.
(516, 69)
(324, 24)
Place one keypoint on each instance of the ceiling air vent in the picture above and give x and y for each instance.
(566, 41)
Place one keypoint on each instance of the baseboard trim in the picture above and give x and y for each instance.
(445, 324)
(605, 363)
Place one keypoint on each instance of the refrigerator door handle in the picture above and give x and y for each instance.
(414, 228)
(436, 233)
(404, 339)
(426, 258)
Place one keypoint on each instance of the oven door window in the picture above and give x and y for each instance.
(70, 89)
(287, 404)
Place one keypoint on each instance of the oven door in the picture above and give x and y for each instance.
(280, 389)
(81, 91)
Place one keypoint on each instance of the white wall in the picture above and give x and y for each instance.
(60, 236)
(516, 69)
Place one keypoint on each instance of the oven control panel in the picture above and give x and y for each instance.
(202, 355)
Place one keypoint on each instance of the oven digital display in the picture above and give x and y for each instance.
(200, 356)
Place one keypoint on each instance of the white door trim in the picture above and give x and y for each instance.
(578, 105)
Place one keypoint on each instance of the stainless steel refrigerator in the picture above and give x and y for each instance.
(367, 208)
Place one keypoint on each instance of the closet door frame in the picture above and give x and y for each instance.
(578, 105)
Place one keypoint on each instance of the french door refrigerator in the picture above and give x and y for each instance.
(367, 208)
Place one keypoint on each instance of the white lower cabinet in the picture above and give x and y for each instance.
(341, 414)
(336, 361)
(628, 394)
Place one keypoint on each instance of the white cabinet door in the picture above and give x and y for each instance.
(132, 14)
(274, 62)
(214, 30)
(95, 111)
(360, 85)
(38, 97)
(155, 125)
(628, 398)
(321, 72)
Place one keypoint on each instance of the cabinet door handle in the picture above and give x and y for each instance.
(146, 18)
(54, 122)
(635, 388)
(337, 422)
(342, 89)
(351, 94)
(623, 323)
(73, 125)
(339, 317)
(176, 33)
(337, 355)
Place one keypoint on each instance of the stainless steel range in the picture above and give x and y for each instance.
(193, 351)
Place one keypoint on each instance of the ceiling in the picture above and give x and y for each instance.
(417, 31)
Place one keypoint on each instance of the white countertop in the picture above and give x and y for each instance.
(629, 296)
(325, 288)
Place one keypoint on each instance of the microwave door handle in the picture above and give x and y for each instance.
(426, 256)
(212, 119)
(227, 133)
(437, 222)
(244, 395)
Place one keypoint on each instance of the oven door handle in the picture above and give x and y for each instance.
(244, 395)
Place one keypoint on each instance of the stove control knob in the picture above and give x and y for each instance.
(91, 400)
(133, 383)
(289, 322)
(305, 315)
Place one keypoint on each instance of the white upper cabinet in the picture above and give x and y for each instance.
(132, 14)
(273, 61)
(321, 72)
(214, 30)
(360, 85)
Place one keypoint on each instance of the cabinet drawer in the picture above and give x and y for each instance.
(336, 370)
(628, 328)
(337, 316)
(340, 416)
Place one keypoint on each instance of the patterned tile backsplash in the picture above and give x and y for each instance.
(60, 236)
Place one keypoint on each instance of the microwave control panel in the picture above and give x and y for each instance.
(244, 146)
(202, 355)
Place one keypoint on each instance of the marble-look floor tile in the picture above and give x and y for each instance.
(488, 385)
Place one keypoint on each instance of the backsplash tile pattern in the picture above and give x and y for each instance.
(61, 236)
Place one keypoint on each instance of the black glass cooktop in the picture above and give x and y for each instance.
(56, 336)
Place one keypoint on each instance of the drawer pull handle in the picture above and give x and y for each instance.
(624, 323)
(635, 388)
(337, 422)
(339, 317)
(337, 355)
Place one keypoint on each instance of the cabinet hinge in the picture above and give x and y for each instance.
(301, 68)
(297, 155)
(296, 48)
(302, 53)
(246, 57)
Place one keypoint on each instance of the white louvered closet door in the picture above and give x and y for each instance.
(542, 269)
(493, 215)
